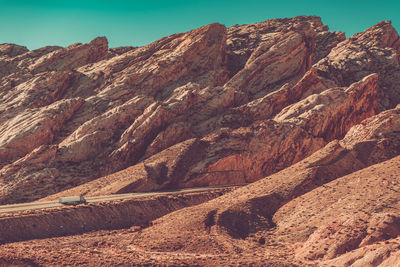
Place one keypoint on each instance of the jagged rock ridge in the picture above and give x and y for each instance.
(258, 97)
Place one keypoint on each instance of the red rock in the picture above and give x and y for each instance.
(325, 41)
(73, 56)
(12, 50)
(117, 127)
(280, 57)
(41, 90)
(374, 51)
(90, 137)
(34, 127)
(333, 112)
(244, 39)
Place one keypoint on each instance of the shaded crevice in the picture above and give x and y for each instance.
(210, 219)
(254, 215)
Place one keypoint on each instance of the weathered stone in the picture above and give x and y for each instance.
(249, 93)
(12, 50)
(34, 127)
(72, 57)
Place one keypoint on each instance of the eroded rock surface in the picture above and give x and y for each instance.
(249, 93)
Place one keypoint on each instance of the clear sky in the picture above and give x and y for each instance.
(37, 23)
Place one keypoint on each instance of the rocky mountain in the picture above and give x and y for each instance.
(309, 118)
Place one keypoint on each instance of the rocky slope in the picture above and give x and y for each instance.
(312, 118)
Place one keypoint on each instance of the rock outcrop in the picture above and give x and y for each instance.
(283, 206)
(374, 51)
(32, 128)
(12, 50)
(250, 94)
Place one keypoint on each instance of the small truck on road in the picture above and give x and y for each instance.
(72, 200)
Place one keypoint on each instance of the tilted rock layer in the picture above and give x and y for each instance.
(284, 103)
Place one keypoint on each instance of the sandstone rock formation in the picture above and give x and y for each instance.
(243, 91)
(309, 118)
(283, 206)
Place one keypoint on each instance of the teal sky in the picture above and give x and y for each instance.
(38, 23)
